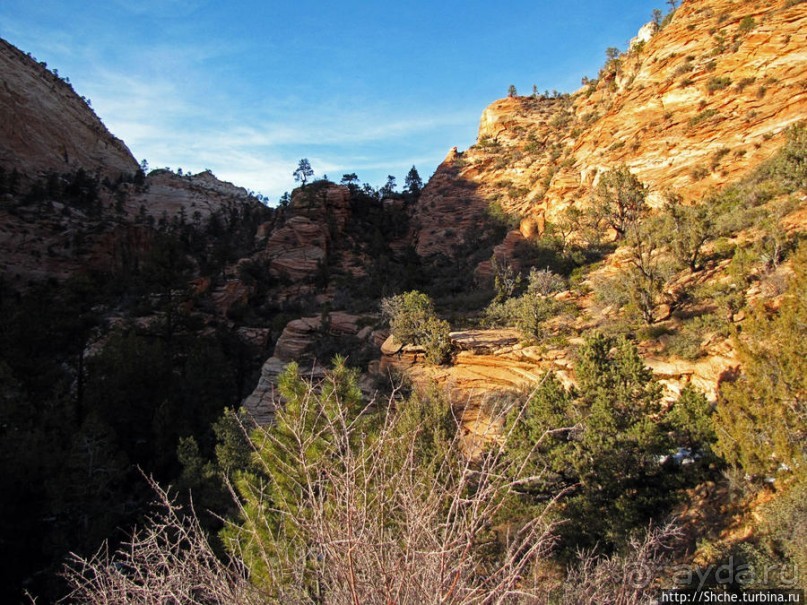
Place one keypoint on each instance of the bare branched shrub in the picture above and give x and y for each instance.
(627, 579)
(349, 505)
(169, 561)
(397, 517)
(544, 282)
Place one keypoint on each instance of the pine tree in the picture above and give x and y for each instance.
(601, 442)
(289, 457)
(761, 416)
(413, 182)
(620, 199)
(304, 172)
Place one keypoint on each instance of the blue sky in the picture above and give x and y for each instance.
(247, 88)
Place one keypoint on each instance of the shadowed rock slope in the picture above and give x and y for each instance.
(46, 126)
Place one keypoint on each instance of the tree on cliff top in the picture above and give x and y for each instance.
(413, 182)
(303, 172)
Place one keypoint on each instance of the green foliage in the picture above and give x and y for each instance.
(789, 166)
(620, 199)
(347, 503)
(685, 230)
(543, 282)
(412, 320)
(747, 24)
(691, 421)
(687, 340)
(538, 436)
(72, 456)
(553, 253)
(303, 172)
(413, 183)
(762, 414)
(611, 291)
(702, 116)
(498, 215)
(779, 545)
(718, 83)
(407, 313)
(601, 441)
(682, 232)
(232, 444)
(527, 312)
(427, 414)
(647, 272)
(505, 278)
(436, 340)
(286, 458)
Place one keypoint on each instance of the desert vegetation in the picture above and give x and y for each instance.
(132, 471)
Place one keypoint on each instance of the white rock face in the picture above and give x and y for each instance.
(647, 31)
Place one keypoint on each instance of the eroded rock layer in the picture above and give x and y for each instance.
(691, 106)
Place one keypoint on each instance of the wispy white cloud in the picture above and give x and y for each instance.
(174, 104)
(164, 123)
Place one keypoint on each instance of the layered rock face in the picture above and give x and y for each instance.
(491, 362)
(196, 197)
(299, 248)
(694, 105)
(297, 343)
(47, 127)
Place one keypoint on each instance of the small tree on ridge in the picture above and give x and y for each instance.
(303, 172)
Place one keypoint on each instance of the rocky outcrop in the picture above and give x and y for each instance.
(505, 252)
(489, 363)
(704, 374)
(300, 335)
(449, 210)
(720, 76)
(297, 249)
(298, 343)
(56, 239)
(262, 403)
(47, 127)
(323, 202)
(194, 198)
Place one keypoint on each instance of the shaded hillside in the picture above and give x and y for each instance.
(47, 127)
(134, 308)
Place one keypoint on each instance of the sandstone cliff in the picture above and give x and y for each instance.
(694, 105)
(47, 127)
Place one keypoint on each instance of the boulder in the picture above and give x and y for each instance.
(391, 346)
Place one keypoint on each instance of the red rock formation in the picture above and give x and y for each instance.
(297, 249)
(295, 344)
